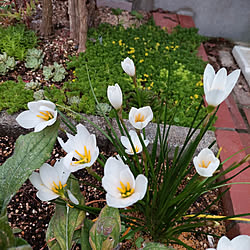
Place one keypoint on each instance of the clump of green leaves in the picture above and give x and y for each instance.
(138, 15)
(177, 60)
(33, 85)
(16, 40)
(6, 63)
(34, 59)
(14, 96)
(56, 72)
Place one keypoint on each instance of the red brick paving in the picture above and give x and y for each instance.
(232, 135)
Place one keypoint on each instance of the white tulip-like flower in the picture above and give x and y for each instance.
(82, 146)
(40, 115)
(206, 163)
(122, 188)
(218, 86)
(241, 242)
(50, 181)
(114, 94)
(136, 142)
(128, 66)
(139, 118)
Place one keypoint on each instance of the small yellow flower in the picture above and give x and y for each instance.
(174, 49)
(201, 84)
(167, 47)
(136, 38)
(152, 84)
(157, 44)
(176, 102)
(146, 75)
(145, 43)
(73, 80)
(113, 42)
(196, 96)
(177, 46)
(74, 72)
(171, 46)
(146, 54)
(133, 56)
(120, 42)
(191, 97)
(149, 88)
(141, 61)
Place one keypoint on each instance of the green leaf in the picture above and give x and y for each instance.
(85, 234)
(138, 242)
(31, 151)
(7, 238)
(106, 231)
(65, 220)
(156, 246)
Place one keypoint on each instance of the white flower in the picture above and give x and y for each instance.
(139, 118)
(218, 86)
(128, 66)
(206, 163)
(82, 146)
(50, 181)
(72, 197)
(40, 115)
(136, 142)
(241, 242)
(122, 188)
(114, 94)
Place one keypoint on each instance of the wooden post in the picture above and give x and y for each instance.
(46, 25)
(83, 29)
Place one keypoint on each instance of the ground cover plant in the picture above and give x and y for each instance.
(136, 181)
(177, 60)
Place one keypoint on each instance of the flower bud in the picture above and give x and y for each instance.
(114, 94)
(128, 66)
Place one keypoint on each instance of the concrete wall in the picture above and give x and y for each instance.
(218, 18)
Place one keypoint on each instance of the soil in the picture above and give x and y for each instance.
(26, 211)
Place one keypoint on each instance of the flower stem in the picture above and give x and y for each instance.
(94, 174)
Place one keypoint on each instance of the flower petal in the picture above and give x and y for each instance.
(224, 243)
(49, 175)
(27, 119)
(127, 176)
(241, 242)
(72, 197)
(141, 184)
(208, 78)
(231, 81)
(36, 180)
(121, 202)
(46, 195)
(215, 97)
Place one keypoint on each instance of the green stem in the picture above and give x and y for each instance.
(94, 174)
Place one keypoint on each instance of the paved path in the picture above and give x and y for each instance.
(232, 131)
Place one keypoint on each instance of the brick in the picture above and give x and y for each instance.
(186, 21)
(166, 20)
(224, 117)
(247, 113)
(235, 113)
(237, 200)
(245, 139)
(202, 53)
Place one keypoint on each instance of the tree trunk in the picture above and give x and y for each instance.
(74, 22)
(46, 25)
(83, 29)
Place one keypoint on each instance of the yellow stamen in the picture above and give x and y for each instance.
(45, 115)
(125, 191)
(55, 185)
(84, 158)
(139, 118)
(60, 184)
(128, 186)
(65, 185)
(203, 165)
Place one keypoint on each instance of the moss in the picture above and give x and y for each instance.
(14, 97)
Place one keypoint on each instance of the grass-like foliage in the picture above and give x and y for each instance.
(16, 40)
(14, 96)
(153, 50)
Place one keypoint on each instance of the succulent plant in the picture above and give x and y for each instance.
(74, 100)
(6, 63)
(56, 72)
(103, 108)
(34, 59)
(33, 85)
(39, 95)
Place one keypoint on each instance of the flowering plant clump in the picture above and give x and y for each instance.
(144, 187)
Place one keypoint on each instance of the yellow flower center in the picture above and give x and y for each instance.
(139, 118)
(126, 191)
(45, 115)
(86, 158)
(58, 189)
(203, 165)
(136, 149)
